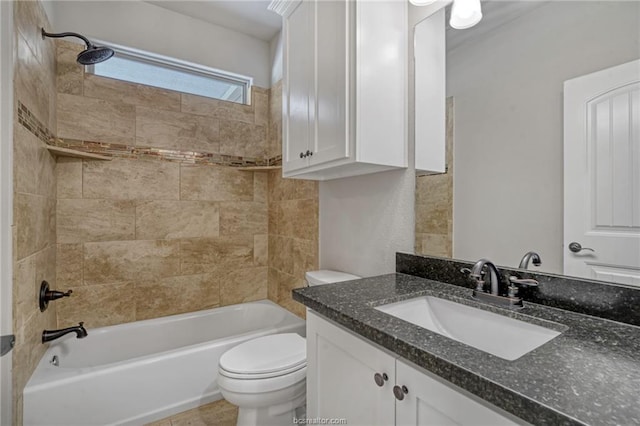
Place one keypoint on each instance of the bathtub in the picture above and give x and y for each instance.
(135, 373)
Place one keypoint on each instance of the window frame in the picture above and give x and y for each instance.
(178, 65)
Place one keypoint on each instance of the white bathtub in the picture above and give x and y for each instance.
(143, 371)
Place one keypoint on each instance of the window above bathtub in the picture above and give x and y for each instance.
(146, 68)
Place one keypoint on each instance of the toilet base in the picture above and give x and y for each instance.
(275, 415)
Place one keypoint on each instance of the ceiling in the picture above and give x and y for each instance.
(252, 17)
(495, 13)
(246, 16)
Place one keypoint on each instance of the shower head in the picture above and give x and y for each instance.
(91, 55)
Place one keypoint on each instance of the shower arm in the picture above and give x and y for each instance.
(61, 35)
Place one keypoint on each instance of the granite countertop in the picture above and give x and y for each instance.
(588, 375)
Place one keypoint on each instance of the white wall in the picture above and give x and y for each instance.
(151, 28)
(275, 52)
(508, 182)
(365, 220)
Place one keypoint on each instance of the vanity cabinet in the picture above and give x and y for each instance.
(342, 383)
(344, 87)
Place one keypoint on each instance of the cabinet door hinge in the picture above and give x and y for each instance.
(6, 343)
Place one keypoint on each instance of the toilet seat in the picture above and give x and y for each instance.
(264, 357)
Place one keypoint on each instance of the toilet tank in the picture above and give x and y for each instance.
(325, 276)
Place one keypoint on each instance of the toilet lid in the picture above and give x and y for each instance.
(267, 355)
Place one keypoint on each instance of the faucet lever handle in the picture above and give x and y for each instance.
(525, 282)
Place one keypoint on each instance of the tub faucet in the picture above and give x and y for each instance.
(530, 256)
(494, 276)
(49, 335)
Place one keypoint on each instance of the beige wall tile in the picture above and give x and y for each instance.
(261, 250)
(25, 157)
(213, 183)
(432, 218)
(175, 130)
(128, 179)
(305, 257)
(286, 283)
(281, 253)
(272, 284)
(243, 218)
(70, 261)
(130, 93)
(82, 220)
(216, 254)
(281, 189)
(69, 177)
(260, 186)
(31, 83)
(176, 295)
(98, 305)
(69, 72)
(299, 219)
(216, 108)
(34, 217)
(242, 139)
(243, 285)
(46, 171)
(25, 300)
(95, 120)
(117, 261)
(177, 219)
(260, 104)
(434, 244)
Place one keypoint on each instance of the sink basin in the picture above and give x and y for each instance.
(498, 335)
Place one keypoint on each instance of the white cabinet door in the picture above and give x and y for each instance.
(299, 86)
(331, 139)
(340, 376)
(431, 401)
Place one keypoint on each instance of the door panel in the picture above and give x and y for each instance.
(431, 402)
(602, 174)
(298, 60)
(340, 376)
(331, 130)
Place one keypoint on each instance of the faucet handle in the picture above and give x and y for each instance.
(524, 282)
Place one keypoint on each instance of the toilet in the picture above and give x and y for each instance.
(266, 377)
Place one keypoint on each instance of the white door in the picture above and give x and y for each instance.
(430, 401)
(341, 377)
(6, 195)
(602, 175)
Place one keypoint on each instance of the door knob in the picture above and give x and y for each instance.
(380, 378)
(577, 247)
(400, 392)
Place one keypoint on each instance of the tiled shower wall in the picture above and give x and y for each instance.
(434, 204)
(141, 238)
(34, 200)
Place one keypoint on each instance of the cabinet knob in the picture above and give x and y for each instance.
(380, 378)
(309, 153)
(302, 155)
(400, 392)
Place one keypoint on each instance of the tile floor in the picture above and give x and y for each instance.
(218, 413)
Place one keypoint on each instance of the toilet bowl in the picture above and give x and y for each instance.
(266, 377)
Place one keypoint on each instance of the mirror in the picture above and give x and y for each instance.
(503, 194)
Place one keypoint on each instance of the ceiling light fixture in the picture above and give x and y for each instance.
(465, 14)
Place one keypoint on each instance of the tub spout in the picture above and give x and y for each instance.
(49, 335)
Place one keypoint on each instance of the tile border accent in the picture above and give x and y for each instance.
(187, 157)
(29, 121)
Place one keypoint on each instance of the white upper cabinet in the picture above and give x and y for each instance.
(344, 87)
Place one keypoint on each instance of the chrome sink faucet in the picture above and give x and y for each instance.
(532, 257)
(494, 276)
